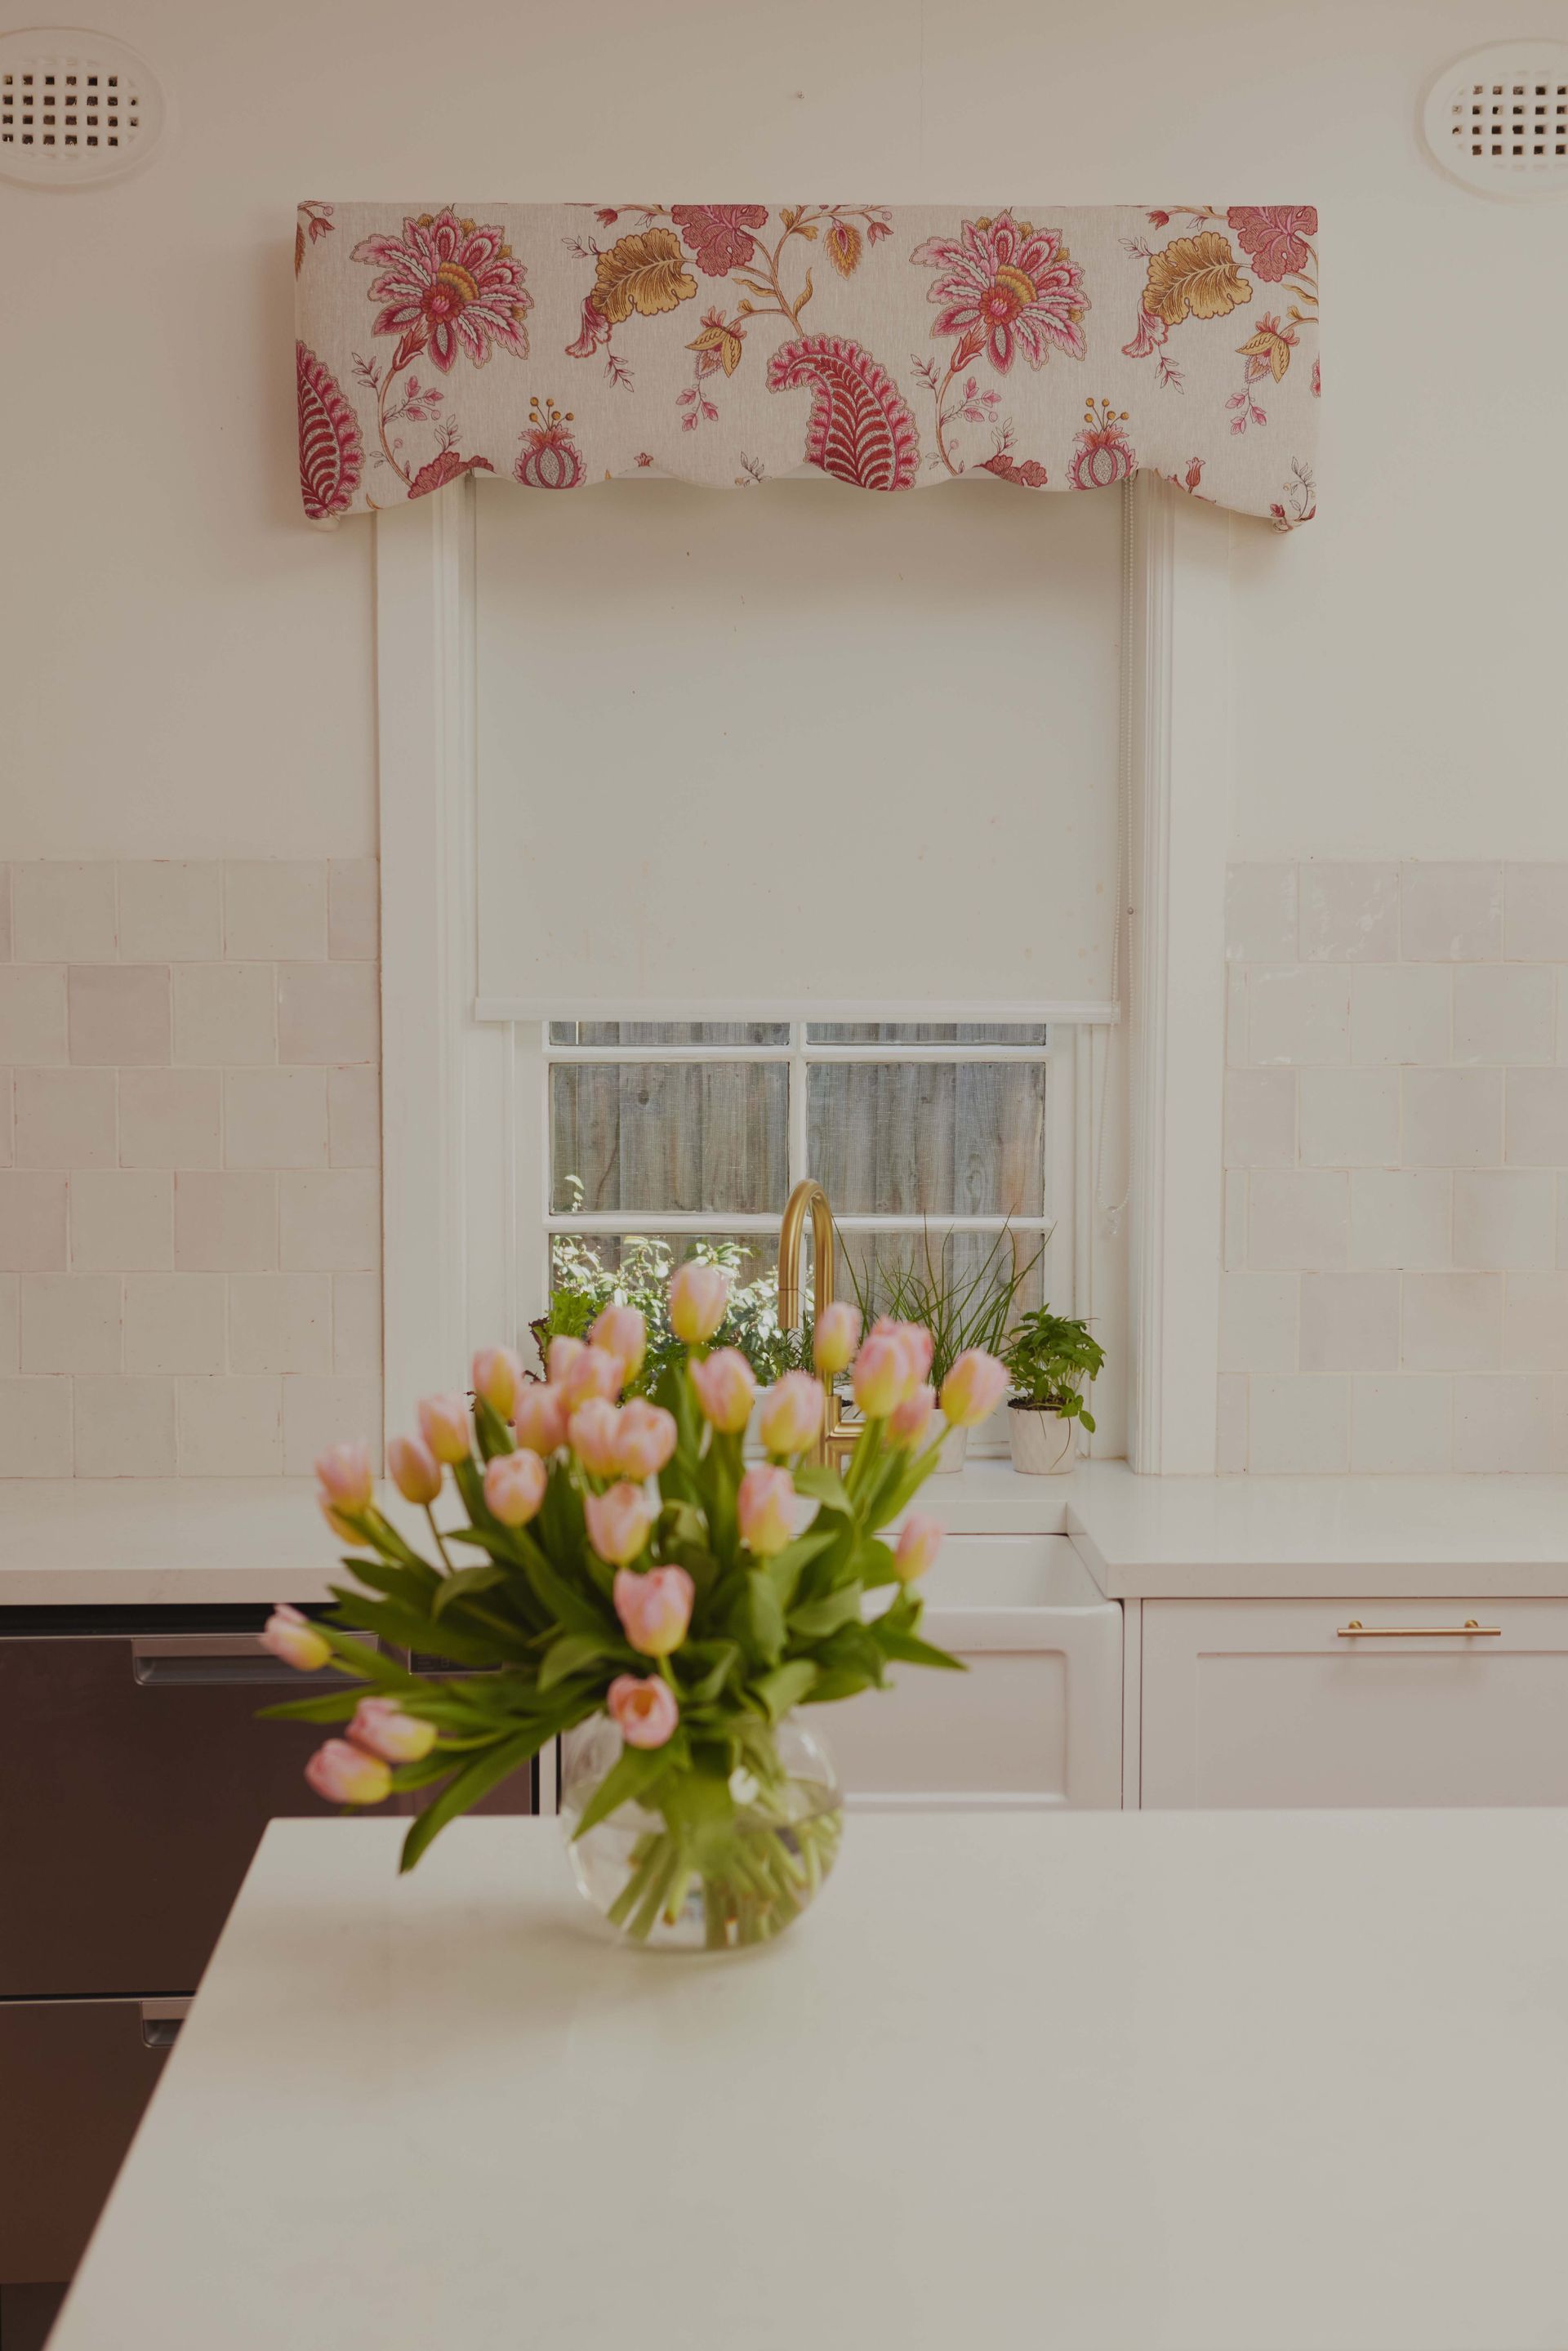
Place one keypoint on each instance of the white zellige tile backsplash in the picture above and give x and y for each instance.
(190, 1166)
(1395, 1217)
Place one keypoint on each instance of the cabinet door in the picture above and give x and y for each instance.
(74, 2077)
(1279, 1703)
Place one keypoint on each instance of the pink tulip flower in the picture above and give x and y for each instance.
(622, 1333)
(726, 1385)
(699, 1297)
(540, 1418)
(916, 1547)
(515, 1487)
(444, 1425)
(345, 1774)
(416, 1471)
(560, 1352)
(594, 1373)
(618, 1523)
(497, 1375)
(344, 1529)
(343, 1473)
(791, 1418)
(655, 1609)
(907, 1422)
(594, 1433)
(973, 1388)
(835, 1338)
(645, 1712)
(912, 1335)
(765, 1506)
(647, 1439)
(294, 1638)
(884, 1376)
(382, 1727)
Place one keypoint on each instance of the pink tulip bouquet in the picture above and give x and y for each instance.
(635, 1572)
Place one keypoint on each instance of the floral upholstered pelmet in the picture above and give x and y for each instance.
(558, 344)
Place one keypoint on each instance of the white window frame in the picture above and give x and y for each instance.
(449, 1081)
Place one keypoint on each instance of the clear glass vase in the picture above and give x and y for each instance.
(732, 1887)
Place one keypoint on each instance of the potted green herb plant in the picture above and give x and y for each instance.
(961, 1310)
(1050, 1359)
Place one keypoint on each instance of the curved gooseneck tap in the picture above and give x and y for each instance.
(808, 1200)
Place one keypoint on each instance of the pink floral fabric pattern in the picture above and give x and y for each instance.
(553, 345)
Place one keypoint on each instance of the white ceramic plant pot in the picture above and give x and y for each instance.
(1043, 1444)
(955, 1448)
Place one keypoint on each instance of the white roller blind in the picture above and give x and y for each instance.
(801, 752)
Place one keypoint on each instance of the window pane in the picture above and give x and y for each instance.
(909, 1032)
(971, 1268)
(686, 1135)
(586, 1272)
(669, 1032)
(933, 1138)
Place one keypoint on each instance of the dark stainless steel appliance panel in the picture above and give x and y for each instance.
(75, 2075)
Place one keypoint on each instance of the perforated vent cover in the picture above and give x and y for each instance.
(75, 108)
(1497, 118)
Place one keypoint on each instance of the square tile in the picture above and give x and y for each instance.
(1400, 1013)
(275, 908)
(356, 1323)
(1258, 1321)
(1535, 1323)
(226, 1223)
(71, 1322)
(33, 1219)
(170, 1118)
(1452, 1323)
(1535, 913)
(174, 1322)
(35, 1428)
(1452, 1118)
(1512, 1423)
(119, 1014)
(1298, 1425)
(354, 1115)
(329, 1012)
(170, 911)
(330, 1221)
(65, 1118)
(274, 1118)
(229, 1427)
(124, 1428)
(122, 1218)
(1350, 1322)
(1399, 1218)
(1538, 1118)
(1260, 1118)
(1349, 1118)
(32, 1015)
(318, 1413)
(226, 1015)
(1504, 1012)
(282, 1323)
(1450, 913)
(1261, 914)
(1300, 1219)
(1400, 1426)
(1504, 1217)
(1298, 1012)
(1349, 913)
(62, 913)
(353, 909)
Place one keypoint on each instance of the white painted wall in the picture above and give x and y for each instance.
(186, 667)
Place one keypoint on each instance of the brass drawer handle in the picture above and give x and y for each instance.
(1469, 1631)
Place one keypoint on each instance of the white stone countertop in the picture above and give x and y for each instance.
(1084, 2082)
(142, 1541)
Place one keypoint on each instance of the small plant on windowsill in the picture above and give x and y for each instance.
(962, 1311)
(1050, 1358)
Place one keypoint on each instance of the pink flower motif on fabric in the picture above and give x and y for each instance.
(1274, 236)
(718, 235)
(331, 454)
(1005, 287)
(449, 287)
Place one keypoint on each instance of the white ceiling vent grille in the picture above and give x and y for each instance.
(75, 109)
(1497, 118)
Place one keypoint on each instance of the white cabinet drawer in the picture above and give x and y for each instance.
(1268, 1702)
(1037, 1718)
